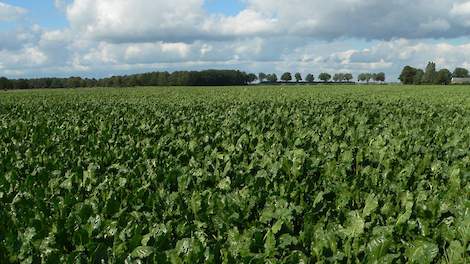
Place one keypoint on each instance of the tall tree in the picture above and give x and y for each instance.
(407, 75)
(362, 77)
(460, 73)
(348, 77)
(418, 78)
(310, 78)
(443, 76)
(379, 77)
(325, 77)
(262, 76)
(272, 78)
(338, 77)
(298, 77)
(251, 77)
(5, 84)
(369, 76)
(430, 74)
(286, 77)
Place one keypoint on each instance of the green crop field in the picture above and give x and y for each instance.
(283, 174)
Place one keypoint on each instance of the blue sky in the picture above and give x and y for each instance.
(227, 7)
(42, 12)
(106, 37)
(46, 14)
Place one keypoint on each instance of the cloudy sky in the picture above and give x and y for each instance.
(97, 38)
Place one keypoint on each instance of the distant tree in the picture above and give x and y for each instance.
(252, 77)
(366, 77)
(373, 76)
(362, 77)
(418, 78)
(5, 84)
(262, 76)
(57, 83)
(286, 77)
(369, 76)
(325, 77)
(163, 78)
(73, 82)
(407, 75)
(337, 77)
(310, 78)
(348, 77)
(430, 74)
(460, 73)
(272, 78)
(298, 77)
(443, 76)
(379, 77)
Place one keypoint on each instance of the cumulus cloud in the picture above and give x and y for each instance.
(370, 19)
(121, 21)
(9, 12)
(157, 20)
(122, 36)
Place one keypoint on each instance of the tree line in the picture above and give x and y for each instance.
(431, 75)
(184, 78)
(178, 78)
(324, 77)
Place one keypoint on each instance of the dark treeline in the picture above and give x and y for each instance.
(431, 75)
(179, 78)
(188, 78)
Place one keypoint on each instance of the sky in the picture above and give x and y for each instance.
(92, 38)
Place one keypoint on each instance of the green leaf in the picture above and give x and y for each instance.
(225, 184)
(142, 252)
(269, 244)
(456, 252)
(377, 248)
(355, 225)
(421, 252)
(371, 205)
(403, 218)
(277, 226)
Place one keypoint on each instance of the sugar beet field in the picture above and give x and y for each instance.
(324, 174)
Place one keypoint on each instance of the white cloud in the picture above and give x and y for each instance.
(121, 21)
(370, 19)
(121, 36)
(27, 57)
(9, 12)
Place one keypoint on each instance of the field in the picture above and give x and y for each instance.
(324, 174)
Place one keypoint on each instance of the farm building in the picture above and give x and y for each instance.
(460, 80)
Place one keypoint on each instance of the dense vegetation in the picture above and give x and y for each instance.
(375, 174)
(180, 78)
(430, 75)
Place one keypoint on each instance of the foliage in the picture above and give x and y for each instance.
(375, 174)
(272, 78)
(460, 73)
(310, 78)
(178, 78)
(443, 76)
(262, 76)
(408, 75)
(298, 77)
(324, 76)
(338, 77)
(286, 77)
(430, 75)
(367, 77)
